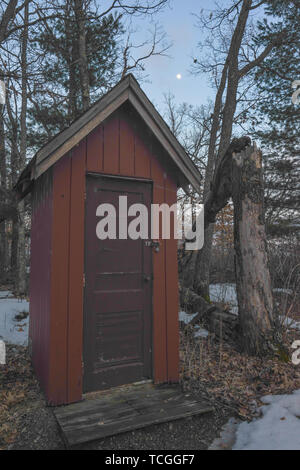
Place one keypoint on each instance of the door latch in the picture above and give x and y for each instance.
(155, 244)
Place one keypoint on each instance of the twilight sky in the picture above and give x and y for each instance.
(179, 24)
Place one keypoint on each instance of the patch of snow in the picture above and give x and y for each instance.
(290, 323)
(11, 330)
(227, 437)
(186, 318)
(283, 291)
(224, 293)
(2, 353)
(201, 332)
(278, 429)
(4, 294)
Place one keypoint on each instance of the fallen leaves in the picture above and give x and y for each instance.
(18, 387)
(231, 378)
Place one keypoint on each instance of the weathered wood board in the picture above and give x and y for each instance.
(125, 409)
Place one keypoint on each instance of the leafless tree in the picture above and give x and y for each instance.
(231, 60)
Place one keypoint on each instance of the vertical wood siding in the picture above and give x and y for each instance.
(76, 268)
(57, 393)
(40, 276)
(123, 146)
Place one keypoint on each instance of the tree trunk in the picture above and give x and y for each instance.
(3, 183)
(239, 175)
(6, 18)
(20, 286)
(253, 281)
(230, 75)
(202, 271)
(14, 248)
(83, 62)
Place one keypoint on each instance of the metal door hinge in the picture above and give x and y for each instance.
(83, 280)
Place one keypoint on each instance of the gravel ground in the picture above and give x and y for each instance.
(26, 422)
(196, 433)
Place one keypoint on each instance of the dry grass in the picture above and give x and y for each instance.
(234, 379)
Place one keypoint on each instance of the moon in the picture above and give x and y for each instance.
(179, 76)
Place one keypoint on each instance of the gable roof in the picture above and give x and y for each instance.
(127, 89)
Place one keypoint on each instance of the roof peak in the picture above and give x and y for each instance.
(127, 89)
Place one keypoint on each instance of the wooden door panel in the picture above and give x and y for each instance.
(118, 294)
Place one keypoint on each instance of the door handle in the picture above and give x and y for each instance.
(147, 278)
(155, 244)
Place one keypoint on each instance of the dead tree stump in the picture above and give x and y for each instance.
(253, 281)
(239, 175)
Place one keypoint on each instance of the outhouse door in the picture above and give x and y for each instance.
(117, 339)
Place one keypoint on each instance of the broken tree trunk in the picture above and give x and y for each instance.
(239, 176)
(253, 281)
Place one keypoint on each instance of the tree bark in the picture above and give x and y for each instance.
(239, 175)
(71, 61)
(3, 183)
(83, 62)
(7, 17)
(20, 286)
(253, 280)
(230, 75)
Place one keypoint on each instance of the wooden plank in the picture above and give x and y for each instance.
(40, 276)
(87, 432)
(76, 263)
(95, 419)
(57, 392)
(142, 153)
(95, 149)
(172, 301)
(159, 298)
(115, 399)
(112, 145)
(126, 145)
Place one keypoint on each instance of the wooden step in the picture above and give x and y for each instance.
(125, 410)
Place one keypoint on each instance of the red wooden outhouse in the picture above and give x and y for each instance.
(103, 312)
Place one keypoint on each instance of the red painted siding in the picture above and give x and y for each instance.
(57, 392)
(123, 146)
(40, 276)
(76, 268)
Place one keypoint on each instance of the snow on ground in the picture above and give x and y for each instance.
(290, 323)
(4, 294)
(186, 318)
(200, 332)
(11, 330)
(278, 429)
(227, 437)
(283, 291)
(224, 293)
